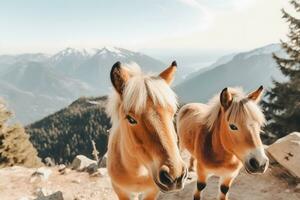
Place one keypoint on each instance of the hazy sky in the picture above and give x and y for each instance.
(148, 25)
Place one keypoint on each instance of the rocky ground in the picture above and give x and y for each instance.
(88, 182)
(17, 183)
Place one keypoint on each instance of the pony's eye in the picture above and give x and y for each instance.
(131, 120)
(233, 127)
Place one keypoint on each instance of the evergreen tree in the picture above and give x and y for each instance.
(282, 106)
(70, 132)
(15, 147)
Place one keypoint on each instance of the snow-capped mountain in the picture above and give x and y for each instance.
(113, 51)
(73, 52)
(36, 85)
(93, 65)
(248, 70)
(69, 59)
(95, 70)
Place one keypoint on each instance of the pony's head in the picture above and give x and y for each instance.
(143, 107)
(241, 120)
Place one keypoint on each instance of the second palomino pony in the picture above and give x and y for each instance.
(223, 136)
(143, 156)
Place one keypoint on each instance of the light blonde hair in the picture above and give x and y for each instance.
(241, 109)
(138, 89)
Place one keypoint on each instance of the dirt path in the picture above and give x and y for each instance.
(246, 187)
(16, 184)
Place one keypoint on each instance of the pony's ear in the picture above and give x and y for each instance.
(118, 76)
(225, 98)
(256, 95)
(168, 74)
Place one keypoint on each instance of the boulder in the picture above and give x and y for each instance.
(81, 162)
(55, 196)
(286, 151)
(92, 168)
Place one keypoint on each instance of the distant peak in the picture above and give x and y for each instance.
(90, 52)
(264, 50)
(270, 47)
(74, 52)
(111, 49)
(70, 50)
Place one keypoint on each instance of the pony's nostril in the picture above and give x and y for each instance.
(254, 164)
(264, 166)
(165, 178)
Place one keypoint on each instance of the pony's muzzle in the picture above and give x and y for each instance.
(167, 183)
(257, 162)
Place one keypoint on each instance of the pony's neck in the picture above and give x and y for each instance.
(218, 147)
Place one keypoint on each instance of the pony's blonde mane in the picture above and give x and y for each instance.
(241, 109)
(139, 88)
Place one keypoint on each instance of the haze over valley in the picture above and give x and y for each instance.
(36, 85)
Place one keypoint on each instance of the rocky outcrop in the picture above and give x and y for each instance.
(81, 163)
(286, 151)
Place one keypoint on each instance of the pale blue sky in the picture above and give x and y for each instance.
(149, 25)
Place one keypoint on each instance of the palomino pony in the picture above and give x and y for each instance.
(223, 136)
(143, 156)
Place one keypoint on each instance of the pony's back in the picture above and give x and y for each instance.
(190, 119)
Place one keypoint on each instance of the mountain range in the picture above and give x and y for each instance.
(248, 70)
(36, 85)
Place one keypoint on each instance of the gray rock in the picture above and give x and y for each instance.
(92, 168)
(55, 196)
(286, 151)
(81, 162)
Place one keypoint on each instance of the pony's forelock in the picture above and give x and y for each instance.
(138, 89)
(240, 109)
